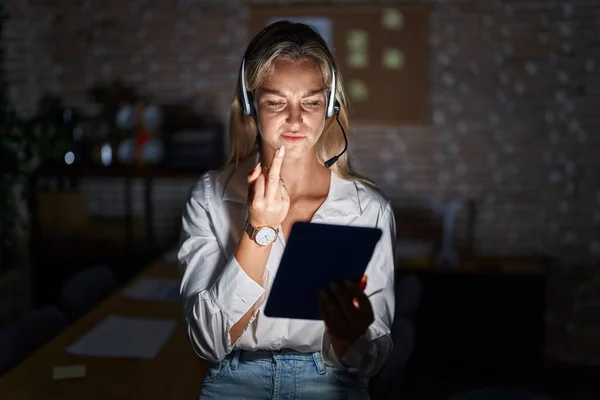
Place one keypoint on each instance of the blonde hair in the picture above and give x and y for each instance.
(293, 41)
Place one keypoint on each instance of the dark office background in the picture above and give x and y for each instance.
(514, 95)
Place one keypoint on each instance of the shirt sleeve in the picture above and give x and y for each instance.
(216, 292)
(366, 356)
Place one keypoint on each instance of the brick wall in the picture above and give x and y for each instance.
(514, 98)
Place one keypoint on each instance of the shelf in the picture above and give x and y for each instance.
(118, 171)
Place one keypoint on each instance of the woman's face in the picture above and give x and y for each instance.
(291, 107)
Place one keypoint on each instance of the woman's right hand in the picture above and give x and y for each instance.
(268, 201)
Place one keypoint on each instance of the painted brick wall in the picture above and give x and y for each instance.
(515, 91)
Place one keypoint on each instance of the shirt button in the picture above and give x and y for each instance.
(273, 345)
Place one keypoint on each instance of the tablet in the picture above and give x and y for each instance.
(316, 255)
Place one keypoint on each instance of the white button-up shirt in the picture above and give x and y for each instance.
(217, 292)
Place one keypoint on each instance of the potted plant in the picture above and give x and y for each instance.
(13, 168)
(23, 143)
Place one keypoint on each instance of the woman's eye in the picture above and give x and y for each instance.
(274, 104)
(313, 104)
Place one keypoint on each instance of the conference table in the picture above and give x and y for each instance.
(175, 373)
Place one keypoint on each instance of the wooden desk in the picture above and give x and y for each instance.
(175, 373)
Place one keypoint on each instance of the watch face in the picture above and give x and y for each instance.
(265, 236)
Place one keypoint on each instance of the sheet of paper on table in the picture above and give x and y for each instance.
(68, 372)
(153, 289)
(130, 337)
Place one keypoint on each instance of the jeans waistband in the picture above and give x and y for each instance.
(275, 356)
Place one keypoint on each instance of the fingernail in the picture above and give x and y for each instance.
(363, 282)
(281, 151)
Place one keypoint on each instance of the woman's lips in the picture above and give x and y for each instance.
(292, 138)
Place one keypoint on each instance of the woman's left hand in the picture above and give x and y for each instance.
(346, 310)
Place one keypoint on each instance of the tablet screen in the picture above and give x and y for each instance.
(315, 256)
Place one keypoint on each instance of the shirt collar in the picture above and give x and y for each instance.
(342, 200)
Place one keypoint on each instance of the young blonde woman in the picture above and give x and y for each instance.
(288, 163)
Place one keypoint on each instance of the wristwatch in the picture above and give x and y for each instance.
(262, 236)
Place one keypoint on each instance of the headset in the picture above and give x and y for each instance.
(333, 106)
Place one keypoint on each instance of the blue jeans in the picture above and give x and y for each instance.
(283, 374)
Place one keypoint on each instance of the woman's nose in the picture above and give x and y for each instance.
(295, 115)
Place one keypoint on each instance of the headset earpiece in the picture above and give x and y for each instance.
(252, 109)
(246, 97)
(333, 106)
(336, 108)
